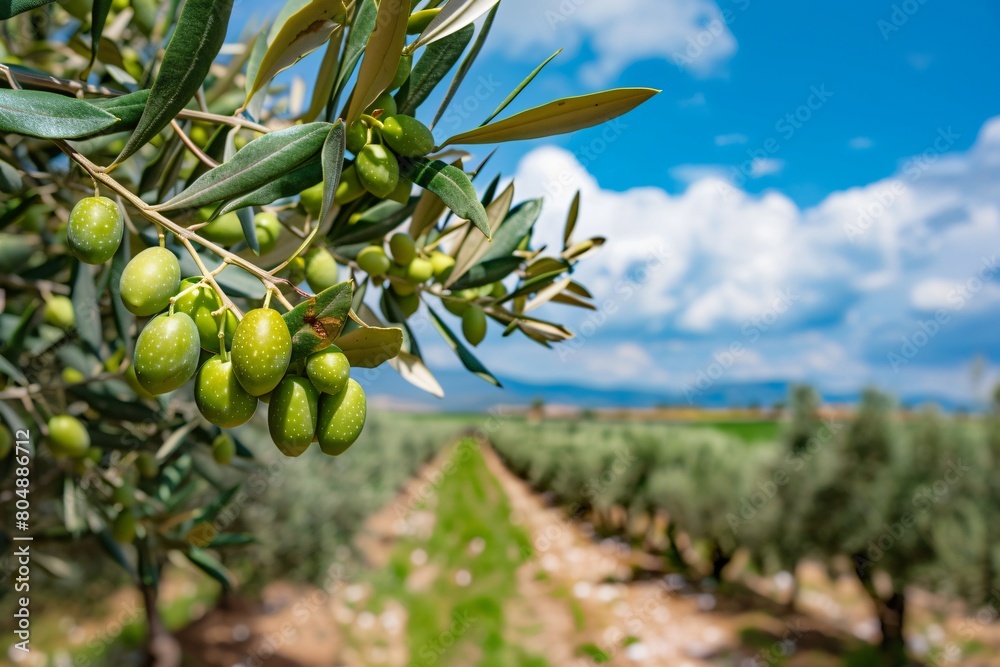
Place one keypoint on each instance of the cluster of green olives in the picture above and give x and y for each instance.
(250, 357)
(377, 140)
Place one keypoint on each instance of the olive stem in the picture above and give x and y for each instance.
(302, 246)
(193, 147)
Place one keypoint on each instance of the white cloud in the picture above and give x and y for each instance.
(690, 33)
(819, 292)
(730, 139)
(690, 173)
(860, 143)
(765, 166)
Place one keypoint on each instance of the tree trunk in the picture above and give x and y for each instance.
(162, 649)
(720, 560)
(890, 620)
(674, 555)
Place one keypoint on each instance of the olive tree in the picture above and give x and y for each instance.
(182, 238)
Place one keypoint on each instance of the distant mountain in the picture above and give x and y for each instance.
(465, 392)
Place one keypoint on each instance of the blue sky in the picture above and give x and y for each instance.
(815, 195)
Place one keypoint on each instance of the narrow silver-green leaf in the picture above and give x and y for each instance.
(559, 117)
(288, 185)
(574, 212)
(487, 272)
(261, 161)
(12, 8)
(378, 67)
(436, 61)
(196, 40)
(452, 185)
(245, 216)
(466, 65)
(332, 159)
(370, 347)
(85, 306)
(453, 17)
(98, 17)
(521, 86)
(467, 358)
(516, 225)
(10, 179)
(474, 246)
(36, 113)
(361, 30)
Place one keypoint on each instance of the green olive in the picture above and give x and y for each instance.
(409, 303)
(95, 229)
(199, 304)
(402, 71)
(68, 437)
(220, 397)
(59, 312)
(402, 192)
(373, 261)
(147, 466)
(407, 136)
(328, 370)
(378, 170)
(384, 102)
(321, 269)
(133, 383)
(312, 199)
(292, 415)
(418, 21)
(149, 280)
(226, 229)
(349, 188)
(419, 270)
(166, 353)
(262, 348)
(357, 136)
(403, 248)
(223, 449)
(72, 375)
(341, 418)
(268, 229)
(6, 442)
(123, 529)
(442, 265)
(474, 324)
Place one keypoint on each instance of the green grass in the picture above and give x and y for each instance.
(450, 622)
(747, 431)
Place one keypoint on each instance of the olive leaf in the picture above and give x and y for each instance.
(474, 246)
(317, 321)
(10, 179)
(15, 7)
(436, 61)
(574, 212)
(127, 108)
(559, 117)
(378, 67)
(301, 33)
(325, 78)
(36, 113)
(288, 185)
(429, 209)
(452, 185)
(210, 566)
(455, 15)
(85, 306)
(261, 161)
(332, 159)
(487, 272)
(521, 86)
(368, 347)
(467, 358)
(361, 30)
(196, 40)
(11, 371)
(518, 224)
(466, 65)
(98, 17)
(245, 216)
(373, 223)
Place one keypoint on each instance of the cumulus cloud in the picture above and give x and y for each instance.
(828, 291)
(690, 33)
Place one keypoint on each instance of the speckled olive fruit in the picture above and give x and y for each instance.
(68, 437)
(403, 248)
(262, 348)
(373, 260)
(199, 304)
(420, 20)
(407, 136)
(312, 199)
(149, 280)
(268, 230)
(442, 265)
(220, 397)
(378, 170)
(292, 414)
(341, 418)
(474, 324)
(59, 312)
(321, 270)
(357, 136)
(328, 370)
(402, 192)
(147, 466)
(349, 188)
(223, 449)
(226, 229)
(402, 72)
(420, 270)
(95, 230)
(409, 303)
(123, 529)
(166, 353)
(6, 442)
(384, 103)
(133, 382)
